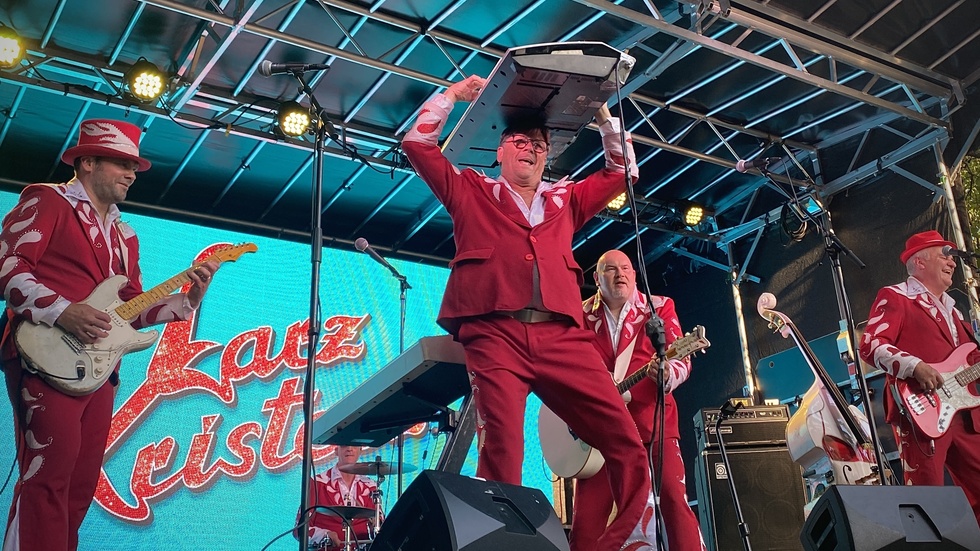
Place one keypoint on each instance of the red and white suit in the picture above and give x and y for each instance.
(593, 503)
(500, 244)
(329, 488)
(907, 324)
(54, 251)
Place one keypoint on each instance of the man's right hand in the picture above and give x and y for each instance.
(927, 376)
(467, 89)
(320, 535)
(85, 322)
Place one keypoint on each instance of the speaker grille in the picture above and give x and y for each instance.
(770, 490)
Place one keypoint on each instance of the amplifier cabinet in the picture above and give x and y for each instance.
(749, 426)
(770, 491)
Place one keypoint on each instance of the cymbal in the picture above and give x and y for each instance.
(347, 512)
(374, 468)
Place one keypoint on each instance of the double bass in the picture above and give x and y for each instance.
(826, 436)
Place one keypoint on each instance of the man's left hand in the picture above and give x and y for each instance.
(201, 277)
(654, 372)
(602, 115)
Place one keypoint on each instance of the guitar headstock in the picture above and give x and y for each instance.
(778, 321)
(232, 252)
(690, 343)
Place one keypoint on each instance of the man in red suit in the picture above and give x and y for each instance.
(58, 243)
(912, 326)
(511, 299)
(335, 487)
(618, 314)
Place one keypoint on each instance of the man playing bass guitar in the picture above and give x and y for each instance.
(617, 314)
(912, 329)
(57, 245)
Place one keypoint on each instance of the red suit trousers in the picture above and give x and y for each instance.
(958, 451)
(593, 504)
(507, 359)
(61, 441)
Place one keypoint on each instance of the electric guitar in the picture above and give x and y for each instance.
(77, 368)
(569, 456)
(932, 411)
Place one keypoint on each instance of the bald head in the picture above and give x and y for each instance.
(615, 278)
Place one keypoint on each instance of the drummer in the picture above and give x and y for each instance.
(334, 487)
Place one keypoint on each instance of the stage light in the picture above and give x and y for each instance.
(293, 119)
(11, 49)
(617, 203)
(145, 81)
(693, 214)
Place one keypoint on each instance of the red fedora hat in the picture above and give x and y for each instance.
(923, 240)
(107, 138)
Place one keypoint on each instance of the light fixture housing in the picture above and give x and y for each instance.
(293, 119)
(617, 203)
(11, 48)
(145, 81)
(693, 214)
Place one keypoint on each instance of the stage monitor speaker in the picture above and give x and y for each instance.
(891, 518)
(442, 511)
(770, 490)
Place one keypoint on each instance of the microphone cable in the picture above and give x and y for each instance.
(656, 471)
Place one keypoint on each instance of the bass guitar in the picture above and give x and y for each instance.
(569, 456)
(932, 411)
(77, 368)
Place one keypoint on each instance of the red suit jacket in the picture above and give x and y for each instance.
(496, 247)
(52, 253)
(329, 489)
(905, 327)
(644, 393)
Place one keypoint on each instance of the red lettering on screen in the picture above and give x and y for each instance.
(162, 467)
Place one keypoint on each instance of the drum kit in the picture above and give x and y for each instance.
(378, 469)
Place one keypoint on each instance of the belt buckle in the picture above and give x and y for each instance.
(530, 315)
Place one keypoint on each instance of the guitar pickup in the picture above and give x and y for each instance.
(916, 405)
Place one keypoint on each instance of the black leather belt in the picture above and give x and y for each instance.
(530, 315)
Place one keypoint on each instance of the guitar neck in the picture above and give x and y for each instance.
(135, 306)
(640, 374)
(968, 375)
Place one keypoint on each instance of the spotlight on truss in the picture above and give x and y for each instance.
(617, 203)
(145, 81)
(293, 119)
(11, 48)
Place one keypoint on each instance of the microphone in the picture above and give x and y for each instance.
(950, 251)
(761, 163)
(362, 245)
(268, 68)
(655, 331)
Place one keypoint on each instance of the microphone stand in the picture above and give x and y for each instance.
(313, 335)
(727, 410)
(403, 291)
(834, 248)
(658, 336)
(403, 287)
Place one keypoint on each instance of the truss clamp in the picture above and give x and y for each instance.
(718, 7)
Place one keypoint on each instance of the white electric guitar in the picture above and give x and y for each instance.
(569, 456)
(77, 368)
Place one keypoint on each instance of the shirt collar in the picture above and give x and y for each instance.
(914, 288)
(76, 190)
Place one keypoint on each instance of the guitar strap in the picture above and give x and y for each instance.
(123, 249)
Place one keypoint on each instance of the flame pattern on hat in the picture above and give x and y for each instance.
(111, 136)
